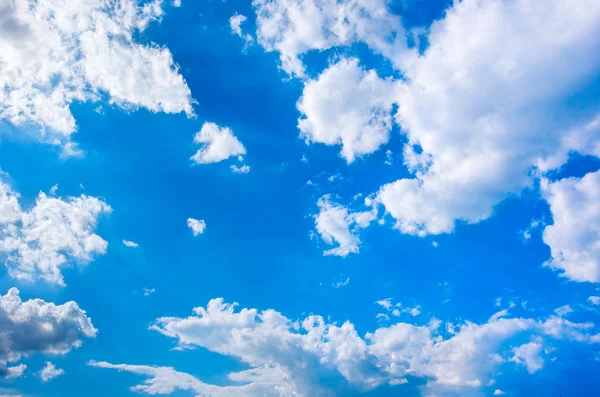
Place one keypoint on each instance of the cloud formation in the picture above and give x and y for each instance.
(36, 326)
(55, 233)
(574, 238)
(50, 372)
(347, 106)
(58, 52)
(218, 144)
(198, 226)
(293, 355)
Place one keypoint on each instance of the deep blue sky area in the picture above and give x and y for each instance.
(261, 247)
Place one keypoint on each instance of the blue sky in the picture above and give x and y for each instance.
(299, 198)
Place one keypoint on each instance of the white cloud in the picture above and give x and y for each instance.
(51, 235)
(53, 190)
(244, 169)
(574, 238)
(295, 27)
(342, 283)
(176, 3)
(218, 144)
(594, 300)
(58, 52)
(478, 110)
(50, 372)
(149, 291)
(385, 303)
(261, 382)
(563, 310)
(14, 371)
(337, 225)
(131, 244)
(498, 392)
(235, 23)
(347, 106)
(198, 226)
(529, 355)
(36, 326)
(301, 350)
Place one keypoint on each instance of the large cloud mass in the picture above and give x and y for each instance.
(55, 52)
(288, 358)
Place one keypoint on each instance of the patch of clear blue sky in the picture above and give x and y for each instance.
(257, 250)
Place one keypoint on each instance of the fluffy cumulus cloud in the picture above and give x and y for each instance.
(218, 144)
(53, 234)
(574, 238)
(337, 225)
(36, 326)
(347, 106)
(294, 27)
(197, 226)
(287, 358)
(55, 52)
(478, 111)
(50, 372)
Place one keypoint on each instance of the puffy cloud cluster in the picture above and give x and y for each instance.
(478, 110)
(287, 358)
(294, 27)
(574, 238)
(51, 235)
(55, 52)
(481, 120)
(338, 225)
(36, 326)
(347, 106)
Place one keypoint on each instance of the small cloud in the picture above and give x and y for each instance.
(304, 159)
(217, 144)
(197, 226)
(498, 302)
(395, 382)
(99, 110)
(50, 372)
(176, 3)
(244, 169)
(434, 244)
(149, 291)
(396, 312)
(342, 283)
(386, 303)
(498, 392)
(389, 157)
(14, 372)
(131, 244)
(563, 310)
(53, 189)
(382, 316)
(235, 23)
(594, 300)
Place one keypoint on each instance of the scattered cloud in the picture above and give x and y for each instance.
(529, 355)
(218, 144)
(130, 244)
(235, 23)
(39, 242)
(12, 372)
(198, 226)
(594, 300)
(53, 190)
(50, 372)
(149, 291)
(244, 169)
(498, 392)
(337, 225)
